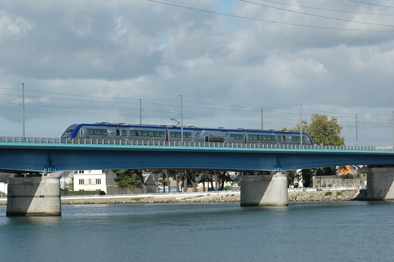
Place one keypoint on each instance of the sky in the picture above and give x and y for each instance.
(229, 63)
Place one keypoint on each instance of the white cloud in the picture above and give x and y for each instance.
(13, 27)
(90, 61)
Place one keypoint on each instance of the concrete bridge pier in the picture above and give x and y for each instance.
(380, 183)
(34, 196)
(264, 190)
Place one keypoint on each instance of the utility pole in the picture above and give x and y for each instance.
(23, 108)
(356, 132)
(262, 124)
(140, 113)
(181, 119)
(301, 127)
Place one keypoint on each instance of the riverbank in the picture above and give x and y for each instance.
(295, 195)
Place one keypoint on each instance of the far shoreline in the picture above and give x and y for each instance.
(306, 195)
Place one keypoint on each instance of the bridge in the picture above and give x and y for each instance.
(47, 155)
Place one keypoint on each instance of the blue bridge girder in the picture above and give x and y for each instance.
(51, 157)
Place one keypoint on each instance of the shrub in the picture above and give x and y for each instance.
(328, 193)
(339, 193)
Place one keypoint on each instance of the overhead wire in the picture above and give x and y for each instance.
(319, 16)
(367, 3)
(270, 21)
(326, 9)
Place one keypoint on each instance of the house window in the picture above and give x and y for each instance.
(81, 181)
(98, 181)
(90, 181)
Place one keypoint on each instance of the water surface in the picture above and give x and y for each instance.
(343, 231)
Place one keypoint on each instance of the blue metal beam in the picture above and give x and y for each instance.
(67, 157)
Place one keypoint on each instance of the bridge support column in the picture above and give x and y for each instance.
(380, 183)
(264, 190)
(33, 196)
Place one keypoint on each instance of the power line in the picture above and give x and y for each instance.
(319, 16)
(324, 9)
(271, 21)
(386, 6)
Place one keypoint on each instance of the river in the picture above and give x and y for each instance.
(340, 231)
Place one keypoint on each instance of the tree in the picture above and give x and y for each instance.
(69, 186)
(323, 130)
(129, 178)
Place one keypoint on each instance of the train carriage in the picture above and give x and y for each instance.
(276, 137)
(123, 131)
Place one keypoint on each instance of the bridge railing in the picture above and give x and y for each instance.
(127, 142)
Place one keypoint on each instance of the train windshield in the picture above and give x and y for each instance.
(69, 130)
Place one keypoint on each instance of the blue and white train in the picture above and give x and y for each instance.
(123, 131)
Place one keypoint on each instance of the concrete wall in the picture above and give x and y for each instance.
(325, 195)
(335, 181)
(33, 196)
(116, 190)
(380, 183)
(264, 190)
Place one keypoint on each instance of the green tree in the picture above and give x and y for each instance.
(68, 186)
(129, 178)
(323, 130)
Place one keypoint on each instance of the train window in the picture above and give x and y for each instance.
(236, 136)
(150, 133)
(162, 133)
(187, 134)
(97, 131)
(145, 133)
(242, 136)
(254, 137)
(156, 133)
(132, 133)
(104, 131)
(172, 134)
(295, 138)
(90, 131)
(124, 132)
(250, 137)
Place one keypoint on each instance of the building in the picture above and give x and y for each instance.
(149, 184)
(3, 183)
(90, 180)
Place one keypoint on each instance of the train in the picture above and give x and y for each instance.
(121, 131)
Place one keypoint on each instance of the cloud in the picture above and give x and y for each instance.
(13, 28)
(91, 61)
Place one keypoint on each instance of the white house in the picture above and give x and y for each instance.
(90, 180)
(3, 183)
